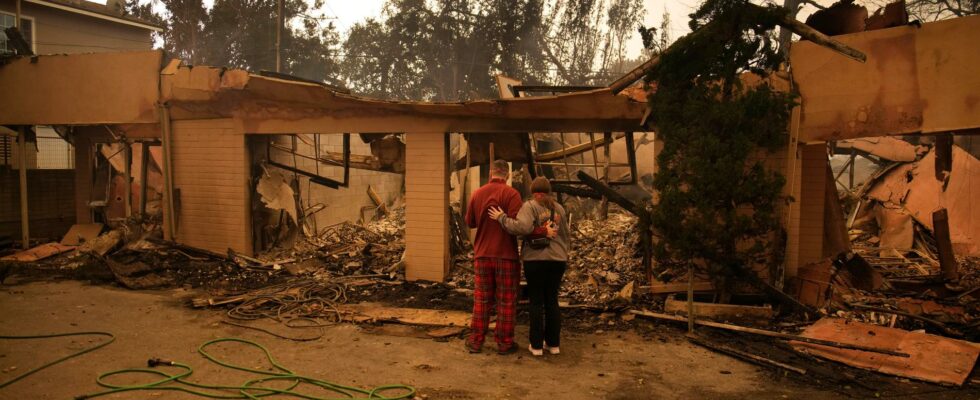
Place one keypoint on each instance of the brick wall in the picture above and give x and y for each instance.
(426, 202)
(50, 200)
(211, 174)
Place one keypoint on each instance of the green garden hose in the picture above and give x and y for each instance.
(76, 354)
(249, 389)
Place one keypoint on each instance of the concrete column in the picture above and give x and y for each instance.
(426, 206)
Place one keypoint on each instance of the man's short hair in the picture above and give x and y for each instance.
(500, 168)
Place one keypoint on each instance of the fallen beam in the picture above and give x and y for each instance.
(813, 35)
(614, 197)
(777, 335)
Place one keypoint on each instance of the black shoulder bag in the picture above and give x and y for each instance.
(541, 242)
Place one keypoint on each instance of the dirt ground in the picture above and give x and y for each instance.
(598, 365)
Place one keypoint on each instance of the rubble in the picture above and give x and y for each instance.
(603, 260)
(911, 189)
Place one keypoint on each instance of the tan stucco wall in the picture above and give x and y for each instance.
(63, 32)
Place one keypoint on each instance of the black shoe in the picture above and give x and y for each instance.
(510, 350)
(471, 348)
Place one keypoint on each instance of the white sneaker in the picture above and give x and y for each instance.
(535, 352)
(552, 350)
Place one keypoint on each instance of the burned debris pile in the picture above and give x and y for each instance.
(605, 261)
(907, 263)
(136, 257)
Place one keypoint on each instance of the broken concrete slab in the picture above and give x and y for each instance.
(39, 252)
(81, 233)
(932, 358)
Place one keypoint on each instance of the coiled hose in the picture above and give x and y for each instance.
(247, 390)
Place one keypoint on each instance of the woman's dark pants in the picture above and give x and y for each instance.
(543, 283)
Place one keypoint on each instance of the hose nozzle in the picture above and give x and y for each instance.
(153, 362)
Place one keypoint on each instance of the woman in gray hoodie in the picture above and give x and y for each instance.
(543, 224)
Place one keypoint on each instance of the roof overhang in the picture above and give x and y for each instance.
(93, 14)
(269, 105)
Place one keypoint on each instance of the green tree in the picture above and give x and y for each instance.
(718, 201)
(451, 49)
(241, 34)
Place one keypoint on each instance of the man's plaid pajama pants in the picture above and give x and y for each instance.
(497, 282)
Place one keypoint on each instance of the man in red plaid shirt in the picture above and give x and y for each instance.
(498, 271)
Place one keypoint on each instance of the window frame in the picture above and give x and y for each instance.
(33, 27)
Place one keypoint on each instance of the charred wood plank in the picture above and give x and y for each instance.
(752, 358)
(772, 334)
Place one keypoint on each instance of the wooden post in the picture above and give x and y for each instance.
(17, 16)
(168, 189)
(144, 165)
(128, 176)
(24, 216)
(595, 156)
(690, 299)
(944, 155)
(947, 260)
(25, 223)
(464, 189)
